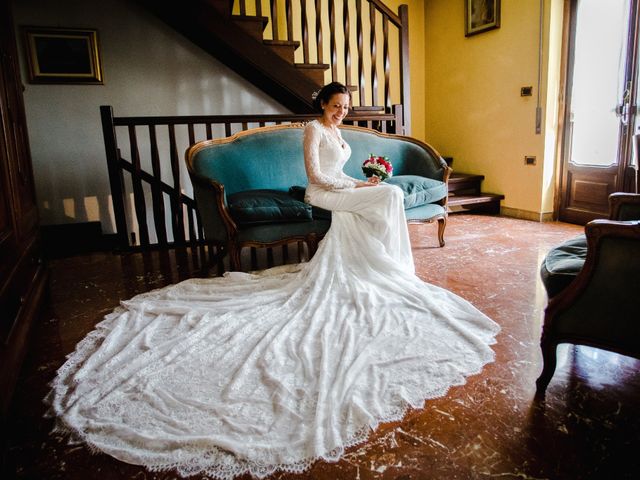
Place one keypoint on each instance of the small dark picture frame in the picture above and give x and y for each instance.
(481, 16)
(63, 55)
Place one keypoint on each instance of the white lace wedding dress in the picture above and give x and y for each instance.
(260, 372)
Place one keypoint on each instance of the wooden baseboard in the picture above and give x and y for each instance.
(526, 214)
(75, 238)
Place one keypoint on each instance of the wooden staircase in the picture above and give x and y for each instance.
(292, 48)
(465, 195)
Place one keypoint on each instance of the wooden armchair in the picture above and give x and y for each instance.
(599, 307)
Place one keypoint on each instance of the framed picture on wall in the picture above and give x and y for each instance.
(481, 16)
(63, 55)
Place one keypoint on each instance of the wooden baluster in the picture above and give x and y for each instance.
(319, 44)
(192, 136)
(304, 25)
(177, 214)
(300, 251)
(156, 191)
(387, 62)
(360, 33)
(346, 20)
(193, 239)
(258, 8)
(220, 260)
(398, 111)
(289, 13)
(254, 258)
(245, 126)
(405, 97)
(269, 257)
(200, 226)
(209, 132)
(285, 254)
(274, 19)
(227, 129)
(243, 7)
(138, 192)
(372, 39)
(332, 40)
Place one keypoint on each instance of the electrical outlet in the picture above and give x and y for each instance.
(526, 91)
(529, 160)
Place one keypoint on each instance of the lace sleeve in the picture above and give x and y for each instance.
(312, 136)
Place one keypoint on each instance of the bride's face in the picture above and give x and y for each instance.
(335, 109)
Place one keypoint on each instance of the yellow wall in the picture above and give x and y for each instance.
(473, 108)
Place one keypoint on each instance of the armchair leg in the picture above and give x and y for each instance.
(549, 360)
(442, 223)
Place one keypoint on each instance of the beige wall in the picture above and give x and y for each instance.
(474, 111)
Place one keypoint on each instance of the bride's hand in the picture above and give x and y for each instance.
(371, 182)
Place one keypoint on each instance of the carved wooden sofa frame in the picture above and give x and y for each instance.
(221, 167)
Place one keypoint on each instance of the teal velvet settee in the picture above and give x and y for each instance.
(249, 188)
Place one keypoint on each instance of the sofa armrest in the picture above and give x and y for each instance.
(211, 199)
(624, 206)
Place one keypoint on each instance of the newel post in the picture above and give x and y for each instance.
(116, 180)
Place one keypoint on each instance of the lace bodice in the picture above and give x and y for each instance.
(324, 157)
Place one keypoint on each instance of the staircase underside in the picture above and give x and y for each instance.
(212, 28)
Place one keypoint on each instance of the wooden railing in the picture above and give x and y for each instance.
(150, 187)
(353, 37)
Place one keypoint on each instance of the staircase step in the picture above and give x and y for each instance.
(313, 71)
(284, 48)
(465, 183)
(252, 25)
(486, 202)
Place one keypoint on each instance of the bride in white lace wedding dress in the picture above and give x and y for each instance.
(272, 371)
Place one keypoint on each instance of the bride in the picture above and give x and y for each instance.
(275, 370)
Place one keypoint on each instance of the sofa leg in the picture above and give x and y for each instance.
(549, 360)
(442, 223)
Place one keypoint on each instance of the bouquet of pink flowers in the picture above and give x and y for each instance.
(379, 166)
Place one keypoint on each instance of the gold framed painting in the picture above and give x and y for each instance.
(63, 55)
(481, 16)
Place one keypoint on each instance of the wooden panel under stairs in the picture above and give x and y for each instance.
(465, 195)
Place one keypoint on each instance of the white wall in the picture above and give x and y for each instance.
(149, 69)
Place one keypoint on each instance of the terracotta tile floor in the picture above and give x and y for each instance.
(588, 427)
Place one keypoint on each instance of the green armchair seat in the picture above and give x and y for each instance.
(249, 188)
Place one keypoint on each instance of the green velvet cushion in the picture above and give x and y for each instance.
(562, 264)
(317, 213)
(419, 190)
(254, 207)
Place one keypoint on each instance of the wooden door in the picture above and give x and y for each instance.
(601, 75)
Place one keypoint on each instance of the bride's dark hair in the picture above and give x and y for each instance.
(327, 92)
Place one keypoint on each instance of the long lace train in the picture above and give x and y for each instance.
(259, 372)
